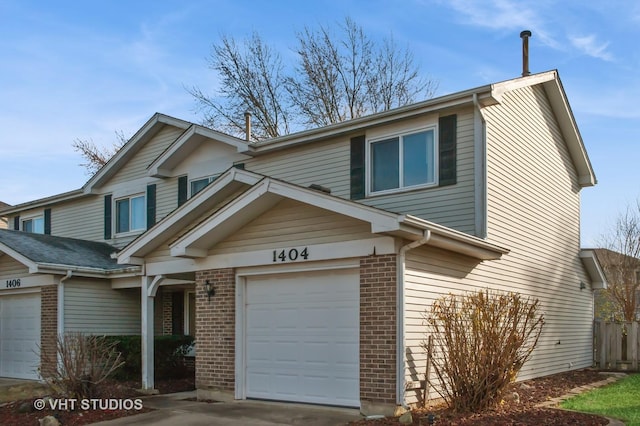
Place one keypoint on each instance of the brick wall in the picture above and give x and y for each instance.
(215, 331)
(378, 329)
(48, 329)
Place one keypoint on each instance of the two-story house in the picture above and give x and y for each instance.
(304, 264)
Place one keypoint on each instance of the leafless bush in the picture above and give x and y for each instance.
(482, 341)
(81, 363)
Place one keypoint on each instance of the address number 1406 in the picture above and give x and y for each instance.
(290, 255)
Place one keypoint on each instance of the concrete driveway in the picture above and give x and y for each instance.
(176, 409)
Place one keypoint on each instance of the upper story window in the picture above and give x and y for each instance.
(34, 225)
(131, 214)
(198, 185)
(404, 161)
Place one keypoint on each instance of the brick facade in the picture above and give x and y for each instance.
(216, 331)
(378, 306)
(48, 329)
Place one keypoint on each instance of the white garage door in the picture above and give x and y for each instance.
(19, 336)
(302, 334)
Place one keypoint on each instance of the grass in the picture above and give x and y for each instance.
(620, 400)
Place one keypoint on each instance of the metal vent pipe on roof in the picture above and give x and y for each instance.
(524, 35)
(247, 125)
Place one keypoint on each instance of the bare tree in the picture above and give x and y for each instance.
(620, 260)
(96, 156)
(337, 78)
(252, 79)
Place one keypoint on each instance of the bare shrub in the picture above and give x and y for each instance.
(482, 340)
(81, 363)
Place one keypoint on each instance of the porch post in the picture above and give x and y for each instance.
(146, 337)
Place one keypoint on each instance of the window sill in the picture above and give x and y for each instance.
(401, 190)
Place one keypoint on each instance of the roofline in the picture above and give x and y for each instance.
(594, 268)
(106, 171)
(42, 202)
(154, 168)
(484, 94)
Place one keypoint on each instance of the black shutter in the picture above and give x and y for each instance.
(447, 150)
(357, 168)
(182, 190)
(16, 223)
(47, 221)
(107, 217)
(151, 205)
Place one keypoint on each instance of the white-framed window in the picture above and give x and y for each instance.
(405, 161)
(130, 214)
(198, 185)
(34, 225)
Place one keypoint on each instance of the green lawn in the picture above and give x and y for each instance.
(620, 400)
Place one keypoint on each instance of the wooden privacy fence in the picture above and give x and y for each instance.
(616, 345)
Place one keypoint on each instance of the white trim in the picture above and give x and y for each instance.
(317, 252)
(28, 281)
(185, 311)
(28, 290)
(240, 314)
(400, 137)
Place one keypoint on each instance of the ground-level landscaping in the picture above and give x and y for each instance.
(620, 400)
(521, 409)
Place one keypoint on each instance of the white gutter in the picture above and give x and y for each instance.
(61, 302)
(400, 266)
(480, 166)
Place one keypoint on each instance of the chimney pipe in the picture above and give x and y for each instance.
(524, 35)
(247, 125)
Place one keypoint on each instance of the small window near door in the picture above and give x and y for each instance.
(190, 314)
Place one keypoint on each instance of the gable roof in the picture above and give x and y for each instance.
(186, 144)
(50, 253)
(137, 141)
(264, 193)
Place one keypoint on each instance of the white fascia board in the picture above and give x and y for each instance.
(359, 124)
(19, 257)
(498, 89)
(187, 143)
(457, 241)
(264, 257)
(175, 221)
(149, 128)
(594, 269)
(380, 220)
(235, 211)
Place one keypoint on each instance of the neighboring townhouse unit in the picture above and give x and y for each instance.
(4, 222)
(304, 264)
(623, 275)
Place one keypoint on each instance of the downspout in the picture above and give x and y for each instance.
(400, 266)
(480, 169)
(61, 302)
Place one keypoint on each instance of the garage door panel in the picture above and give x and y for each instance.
(302, 337)
(19, 336)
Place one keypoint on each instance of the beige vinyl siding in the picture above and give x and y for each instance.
(291, 223)
(92, 306)
(327, 163)
(82, 218)
(136, 167)
(166, 197)
(533, 210)
(11, 268)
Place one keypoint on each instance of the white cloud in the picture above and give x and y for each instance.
(590, 46)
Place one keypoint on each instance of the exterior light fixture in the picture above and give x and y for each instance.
(210, 289)
(582, 285)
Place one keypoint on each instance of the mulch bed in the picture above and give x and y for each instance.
(10, 414)
(521, 411)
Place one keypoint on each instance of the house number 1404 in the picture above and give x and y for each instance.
(290, 255)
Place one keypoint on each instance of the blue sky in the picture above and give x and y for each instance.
(85, 69)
